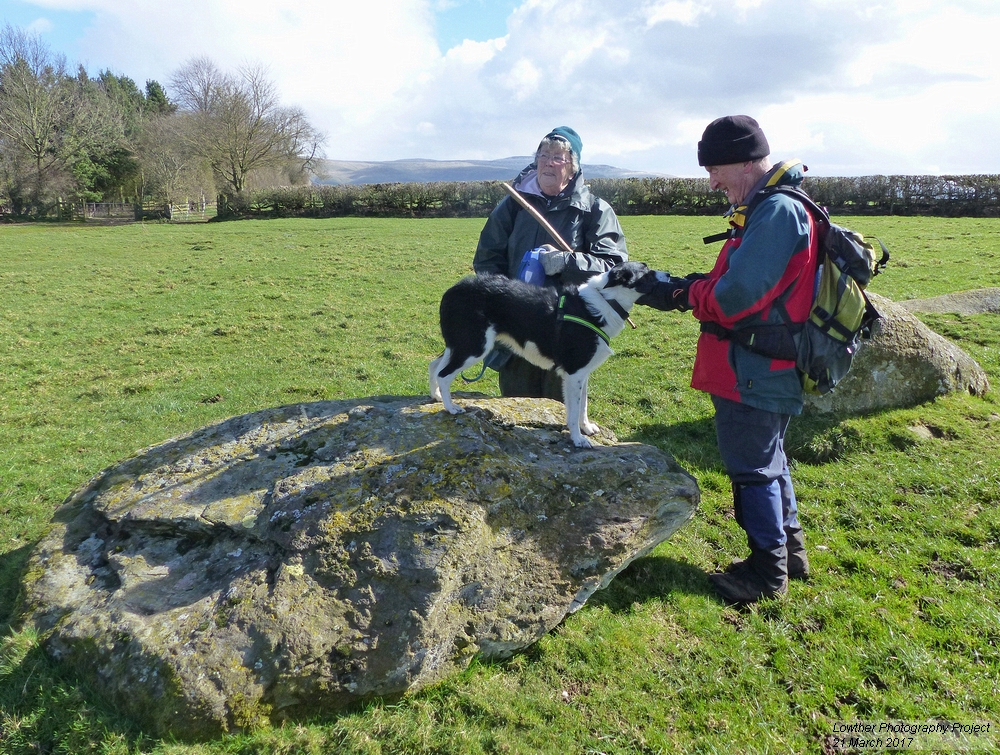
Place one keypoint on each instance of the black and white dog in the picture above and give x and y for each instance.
(568, 329)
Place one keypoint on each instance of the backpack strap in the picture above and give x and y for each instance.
(718, 237)
(772, 341)
(772, 187)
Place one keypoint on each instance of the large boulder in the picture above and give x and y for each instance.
(307, 557)
(975, 302)
(904, 363)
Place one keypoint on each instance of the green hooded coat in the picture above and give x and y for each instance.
(586, 223)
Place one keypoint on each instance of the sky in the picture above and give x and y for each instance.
(851, 87)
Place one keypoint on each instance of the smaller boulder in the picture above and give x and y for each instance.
(904, 364)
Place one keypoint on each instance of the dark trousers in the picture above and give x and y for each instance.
(752, 445)
(520, 377)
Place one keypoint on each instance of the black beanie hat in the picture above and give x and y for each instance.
(732, 139)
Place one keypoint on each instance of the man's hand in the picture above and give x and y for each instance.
(664, 292)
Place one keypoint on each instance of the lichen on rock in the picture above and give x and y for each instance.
(311, 556)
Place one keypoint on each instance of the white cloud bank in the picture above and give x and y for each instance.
(850, 86)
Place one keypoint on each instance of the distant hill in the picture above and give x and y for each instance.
(422, 171)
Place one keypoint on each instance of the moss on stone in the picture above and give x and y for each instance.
(315, 555)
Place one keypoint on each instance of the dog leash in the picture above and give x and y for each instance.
(476, 378)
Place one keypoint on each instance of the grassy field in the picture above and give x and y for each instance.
(115, 338)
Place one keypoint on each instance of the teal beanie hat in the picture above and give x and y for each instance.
(575, 142)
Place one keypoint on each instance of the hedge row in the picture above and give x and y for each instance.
(951, 196)
(442, 199)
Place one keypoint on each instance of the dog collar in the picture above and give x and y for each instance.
(580, 321)
(618, 308)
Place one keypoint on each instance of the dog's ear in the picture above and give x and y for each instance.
(614, 277)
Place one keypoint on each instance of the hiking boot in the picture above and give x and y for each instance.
(749, 580)
(738, 566)
(798, 562)
(744, 587)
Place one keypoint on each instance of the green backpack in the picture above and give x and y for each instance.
(824, 346)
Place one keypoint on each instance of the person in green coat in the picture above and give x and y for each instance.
(552, 183)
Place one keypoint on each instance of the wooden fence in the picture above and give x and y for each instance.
(187, 211)
(104, 210)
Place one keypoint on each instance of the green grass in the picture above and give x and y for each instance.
(115, 338)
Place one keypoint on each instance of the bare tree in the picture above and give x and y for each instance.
(35, 106)
(169, 171)
(195, 85)
(237, 124)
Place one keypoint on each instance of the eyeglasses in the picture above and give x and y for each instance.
(552, 159)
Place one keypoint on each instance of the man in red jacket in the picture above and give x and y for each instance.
(762, 280)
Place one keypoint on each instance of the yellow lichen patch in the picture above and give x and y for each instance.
(293, 570)
(236, 510)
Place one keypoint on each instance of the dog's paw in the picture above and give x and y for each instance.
(453, 409)
(589, 428)
(582, 442)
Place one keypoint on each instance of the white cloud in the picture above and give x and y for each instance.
(474, 54)
(335, 55)
(523, 79)
(39, 26)
(907, 103)
(680, 12)
(847, 85)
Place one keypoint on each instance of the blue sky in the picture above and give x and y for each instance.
(59, 28)
(852, 87)
(478, 20)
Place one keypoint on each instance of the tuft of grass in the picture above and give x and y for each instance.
(116, 338)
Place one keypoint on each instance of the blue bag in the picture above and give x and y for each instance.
(531, 270)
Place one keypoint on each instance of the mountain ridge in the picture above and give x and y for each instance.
(418, 170)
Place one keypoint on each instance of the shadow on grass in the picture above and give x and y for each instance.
(811, 438)
(40, 702)
(823, 438)
(691, 443)
(42, 706)
(12, 566)
(651, 578)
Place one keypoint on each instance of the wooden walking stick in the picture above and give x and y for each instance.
(545, 224)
